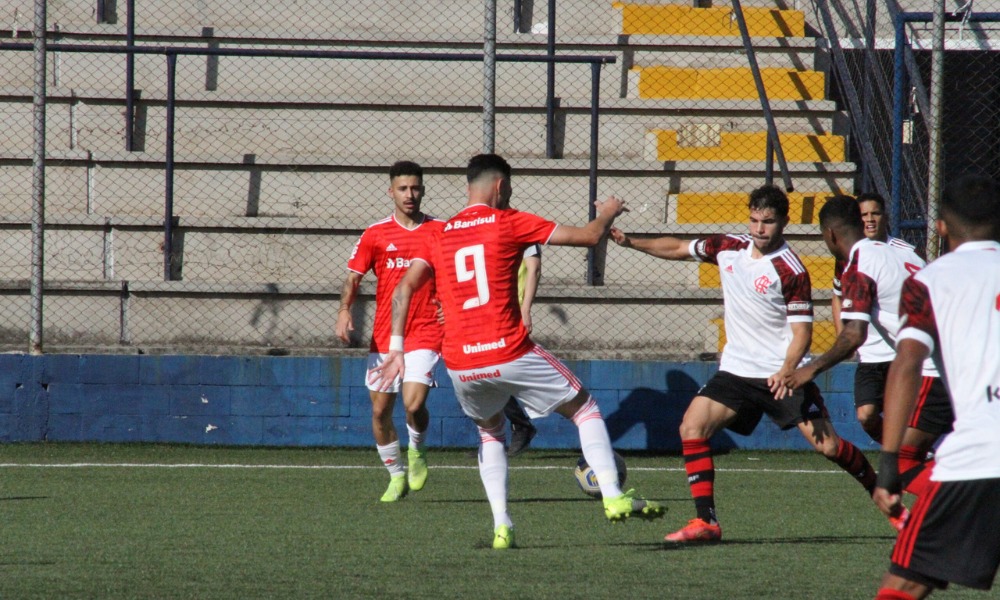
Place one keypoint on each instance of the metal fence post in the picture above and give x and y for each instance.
(38, 181)
(130, 78)
(550, 85)
(168, 204)
(490, 77)
(934, 141)
(898, 109)
(596, 256)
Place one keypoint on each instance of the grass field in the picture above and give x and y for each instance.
(142, 521)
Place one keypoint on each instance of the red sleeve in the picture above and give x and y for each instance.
(859, 292)
(526, 228)
(796, 289)
(363, 255)
(915, 309)
(708, 249)
(838, 273)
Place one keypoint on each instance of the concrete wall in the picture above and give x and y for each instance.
(321, 401)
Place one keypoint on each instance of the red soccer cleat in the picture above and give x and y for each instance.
(697, 530)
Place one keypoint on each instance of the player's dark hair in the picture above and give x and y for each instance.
(841, 211)
(769, 196)
(405, 167)
(974, 200)
(481, 164)
(872, 197)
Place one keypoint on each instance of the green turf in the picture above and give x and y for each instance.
(202, 532)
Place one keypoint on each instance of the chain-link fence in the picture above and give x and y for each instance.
(203, 192)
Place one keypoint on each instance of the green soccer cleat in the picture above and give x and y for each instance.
(503, 537)
(397, 489)
(416, 474)
(631, 504)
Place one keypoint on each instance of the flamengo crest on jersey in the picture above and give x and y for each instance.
(952, 307)
(761, 297)
(386, 248)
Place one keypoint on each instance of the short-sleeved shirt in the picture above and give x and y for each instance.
(876, 347)
(386, 248)
(475, 258)
(761, 297)
(870, 288)
(953, 308)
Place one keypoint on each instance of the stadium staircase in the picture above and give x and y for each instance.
(681, 138)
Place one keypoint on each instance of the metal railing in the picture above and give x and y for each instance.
(905, 75)
(595, 260)
(773, 142)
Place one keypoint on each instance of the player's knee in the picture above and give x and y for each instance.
(417, 411)
(871, 422)
(867, 415)
(690, 430)
(381, 413)
(826, 446)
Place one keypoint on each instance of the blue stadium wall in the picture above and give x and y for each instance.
(322, 401)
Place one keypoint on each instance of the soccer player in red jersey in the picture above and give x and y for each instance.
(767, 300)
(489, 355)
(870, 286)
(386, 248)
(950, 311)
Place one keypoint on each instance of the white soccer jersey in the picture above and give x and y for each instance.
(761, 297)
(870, 289)
(953, 307)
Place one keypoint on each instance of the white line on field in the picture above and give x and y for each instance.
(83, 465)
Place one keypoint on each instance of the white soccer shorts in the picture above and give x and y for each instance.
(419, 367)
(539, 380)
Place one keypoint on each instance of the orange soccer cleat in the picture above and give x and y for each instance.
(697, 530)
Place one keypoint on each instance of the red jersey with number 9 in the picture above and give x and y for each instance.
(475, 258)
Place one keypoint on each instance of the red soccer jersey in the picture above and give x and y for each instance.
(386, 248)
(475, 259)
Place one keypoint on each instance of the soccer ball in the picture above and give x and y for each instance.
(587, 480)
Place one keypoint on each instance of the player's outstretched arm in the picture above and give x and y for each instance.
(345, 322)
(852, 335)
(667, 247)
(591, 233)
(901, 389)
(416, 276)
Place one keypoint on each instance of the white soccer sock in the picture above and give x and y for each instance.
(596, 446)
(493, 472)
(416, 438)
(389, 454)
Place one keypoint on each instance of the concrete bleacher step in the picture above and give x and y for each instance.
(264, 18)
(731, 207)
(228, 185)
(678, 19)
(258, 125)
(724, 83)
(823, 335)
(820, 269)
(710, 144)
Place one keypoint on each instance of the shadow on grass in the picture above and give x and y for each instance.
(836, 540)
(540, 500)
(18, 498)
(648, 546)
